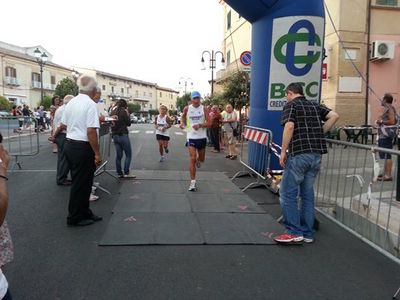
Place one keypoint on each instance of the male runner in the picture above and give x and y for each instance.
(195, 119)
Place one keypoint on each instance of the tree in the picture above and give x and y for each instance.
(134, 108)
(236, 90)
(66, 87)
(4, 104)
(182, 101)
(153, 112)
(217, 99)
(46, 102)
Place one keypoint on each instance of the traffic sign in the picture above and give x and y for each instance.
(245, 58)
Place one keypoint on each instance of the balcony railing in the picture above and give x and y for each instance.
(11, 81)
(36, 84)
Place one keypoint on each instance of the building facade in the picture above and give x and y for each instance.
(116, 87)
(351, 61)
(20, 74)
(167, 97)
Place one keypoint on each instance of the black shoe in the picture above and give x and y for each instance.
(96, 218)
(84, 222)
(65, 183)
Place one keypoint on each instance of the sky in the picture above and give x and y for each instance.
(157, 41)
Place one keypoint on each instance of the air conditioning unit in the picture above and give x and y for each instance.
(382, 50)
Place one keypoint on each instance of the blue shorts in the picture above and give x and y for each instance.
(199, 144)
(385, 143)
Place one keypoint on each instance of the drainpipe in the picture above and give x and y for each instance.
(368, 56)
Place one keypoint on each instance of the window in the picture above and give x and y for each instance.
(170, 95)
(122, 90)
(104, 87)
(35, 77)
(228, 58)
(137, 93)
(151, 95)
(112, 89)
(11, 72)
(53, 79)
(144, 94)
(160, 94)
(172, 106)
(151, 106)
(228, 20)
(387, 2)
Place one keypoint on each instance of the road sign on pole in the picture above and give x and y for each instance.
(245, 58)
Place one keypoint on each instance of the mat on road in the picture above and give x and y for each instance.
(157, 211)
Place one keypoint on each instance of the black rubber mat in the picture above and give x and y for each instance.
(159, 210)
(189, 229)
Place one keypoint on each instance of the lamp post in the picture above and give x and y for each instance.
(213, 64)
(185, 81)
(41, 58)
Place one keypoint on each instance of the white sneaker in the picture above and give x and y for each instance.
(93, 197)
(308, 240)
(96, 184)
(162, 158)
(192, 186)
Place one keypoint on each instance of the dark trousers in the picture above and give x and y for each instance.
(80, 157)
(62, 163)
(214, 134)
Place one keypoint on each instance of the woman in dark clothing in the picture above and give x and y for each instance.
(120, 136)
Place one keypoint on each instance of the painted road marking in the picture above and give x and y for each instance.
(150, 132)
(135, 131)
(179, 133)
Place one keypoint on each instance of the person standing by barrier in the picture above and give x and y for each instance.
(55, 104)
(81, 119)
(387, 131)
(215, 128)
(120, 135)
(162, 124)
(59, 137)
(230, 127)
(303, 138)
(5, 254)
(27, 116)
(195, 119)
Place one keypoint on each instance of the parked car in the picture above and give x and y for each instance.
(4, 114)
(134, 119)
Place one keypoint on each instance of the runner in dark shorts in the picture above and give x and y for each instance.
(162, 124)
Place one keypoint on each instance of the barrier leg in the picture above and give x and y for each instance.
(396, 294)
(258, 183)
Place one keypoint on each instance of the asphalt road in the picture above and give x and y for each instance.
(53, 261)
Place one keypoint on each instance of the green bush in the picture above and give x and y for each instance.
(133, 108)
(46, 102)
(5, 104)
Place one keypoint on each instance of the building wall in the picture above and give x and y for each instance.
(167, 98)
(24, 92)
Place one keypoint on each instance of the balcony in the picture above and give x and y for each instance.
(11, 81)
(36, 84)
(48, 86)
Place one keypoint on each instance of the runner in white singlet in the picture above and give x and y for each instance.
(162, 124)
(195, 119)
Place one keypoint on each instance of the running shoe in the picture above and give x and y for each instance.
(129, 176)
(198, 164)
(308, 240)
(162, 158)
(287, 238)
(93, 197)
(192, 186)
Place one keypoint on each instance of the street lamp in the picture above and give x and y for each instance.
(185, 81)
(75, 74)
(213, 64)
(41, 58)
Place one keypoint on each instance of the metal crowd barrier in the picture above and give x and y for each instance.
(348, 192)
(105, 141)
(20, 137)
(261, 139)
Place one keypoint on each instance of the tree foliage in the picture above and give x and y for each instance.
(153, 112)
(236, 91)
(134, 108)
(66, 87)
(46, 102)
(4, 104)
(216, 99)
(182, 101)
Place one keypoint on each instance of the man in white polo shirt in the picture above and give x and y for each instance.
(81, 119)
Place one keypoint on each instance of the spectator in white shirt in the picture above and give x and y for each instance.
(59, 137)
(81, 120)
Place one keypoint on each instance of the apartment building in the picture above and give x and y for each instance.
(351, 60)
(20, 74)
(167, 97)
(121, 87)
